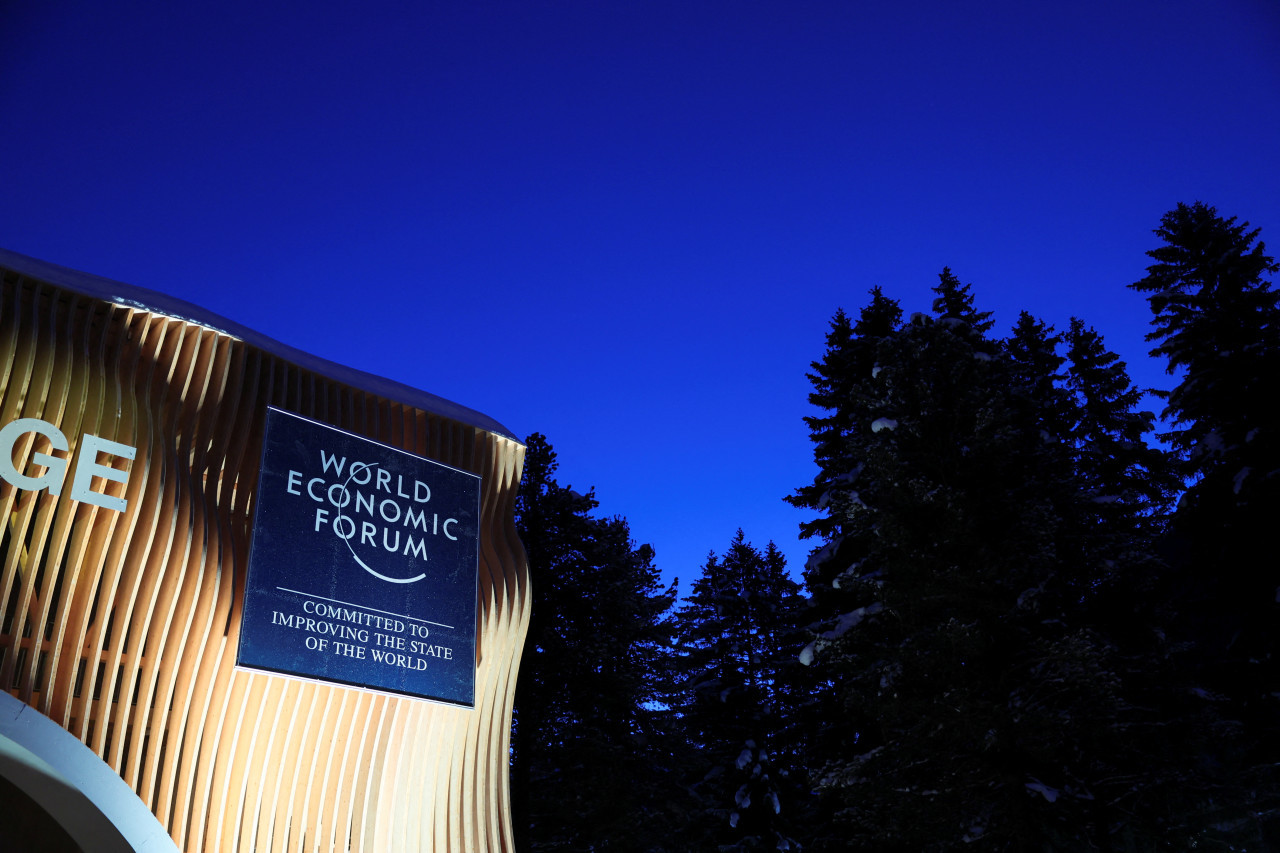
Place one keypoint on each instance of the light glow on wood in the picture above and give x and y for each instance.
(122, 626)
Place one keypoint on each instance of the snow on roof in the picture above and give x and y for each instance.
(169, 306)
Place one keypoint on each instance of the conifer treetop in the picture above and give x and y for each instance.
(955, 302)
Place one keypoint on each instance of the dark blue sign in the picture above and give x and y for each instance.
(363, 566)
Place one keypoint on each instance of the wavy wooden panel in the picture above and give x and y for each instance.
(122, 626)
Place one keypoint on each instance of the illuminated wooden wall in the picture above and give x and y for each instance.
(122, 626)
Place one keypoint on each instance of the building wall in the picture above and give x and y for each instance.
(122, 626)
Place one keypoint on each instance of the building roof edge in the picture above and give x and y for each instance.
(133, 296)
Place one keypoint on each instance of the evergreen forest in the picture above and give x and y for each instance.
(1034, 618)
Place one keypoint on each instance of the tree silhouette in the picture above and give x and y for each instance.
(588, 769)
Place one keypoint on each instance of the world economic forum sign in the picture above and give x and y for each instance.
(363, 565)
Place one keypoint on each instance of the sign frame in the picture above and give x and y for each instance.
(332, 595)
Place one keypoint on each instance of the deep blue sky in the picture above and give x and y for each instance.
(627, 224)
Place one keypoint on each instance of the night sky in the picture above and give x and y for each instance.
(627, 225)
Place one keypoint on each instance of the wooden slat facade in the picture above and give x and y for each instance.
(122, 627)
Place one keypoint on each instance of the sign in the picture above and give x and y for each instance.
(363, 565)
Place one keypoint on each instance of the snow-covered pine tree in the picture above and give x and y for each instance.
(838, 383)
(969, 697)
(737, 699)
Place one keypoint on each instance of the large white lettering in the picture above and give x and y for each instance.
(87, 464)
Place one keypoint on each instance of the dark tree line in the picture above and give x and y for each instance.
(1025, 623)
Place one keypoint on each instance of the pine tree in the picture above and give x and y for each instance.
(1112, 455)
(737, 699)
(1217, 322)
(588, 768)
(955, 302)
(1126, 486)
(850, 359)
(1038, 379)
(973, 698)
(843, 383)
(938, 558)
